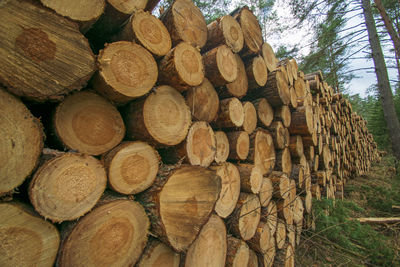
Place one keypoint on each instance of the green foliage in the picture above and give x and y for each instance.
(332, 222)
(284, 52)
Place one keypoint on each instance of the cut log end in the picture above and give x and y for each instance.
(203, 101)
(269, 57)
(239, 144)
(156, 254)
(238, 252)
(113, 233)
(238, 88)
(27, 239)
(68, 186)
(251, 31)
(222, 146)
(88, 123)
(249, 216)
(233, 33)
(250, 117)
(200, 144)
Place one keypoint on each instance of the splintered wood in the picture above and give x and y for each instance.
(178, 144)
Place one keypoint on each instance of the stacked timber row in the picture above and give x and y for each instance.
(168, 141)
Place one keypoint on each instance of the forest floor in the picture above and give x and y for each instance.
(340, 241)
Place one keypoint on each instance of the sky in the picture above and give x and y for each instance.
(364, 79)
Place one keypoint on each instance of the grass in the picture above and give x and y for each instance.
(340, 241)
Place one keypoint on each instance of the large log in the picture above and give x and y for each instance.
(239, 144)
(88, 123)
(221, 65)
(157, 253)
(210, 246)
(182, 67)
(302, 121)
(27, 239)
(203, 101)
(257, 73)
(186, 23)
(147, 30)
(131, 167)
(224, 30)
(230, 115)
(262, 241)
(43, 55)
(162, 118)
(222, 147)
(269, 57)
(238, 88)
(250, 117)
(269, 215)
(280, 135)
(283, 114)
(67, 186)
(262, 152)
(114, 233)
(266, 192)
(230, 188)
(176, 213)
(238, 252)
(21, 142)
(250, 178)
(126, 71)
(265, 113)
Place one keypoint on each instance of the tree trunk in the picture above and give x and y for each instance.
(114, 233)
(27, 239)
(385, 92)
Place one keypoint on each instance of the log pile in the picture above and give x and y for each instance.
(180, 143)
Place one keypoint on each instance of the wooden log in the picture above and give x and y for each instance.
(297, 174)
(276, 90)
(148, 31)
(285, 256)
(285, 212)
(298, 210)
(316, 191)
(182, 67)
(267, 259)
(270, 216)
(293, 98)
(88, 123)
(280, 234)
(220, 65)
(230, 188)
(293, 192)
(26, 238)
(250, 178)
(162, 118)
(85, 15)
(261, 242)
(131, 167)
(224, 30)
(245, 218)
(283, 161)
(157, 252)
(22, 141)
(66, 187)
(280, 135)
(302, 121)
(296, 146)
(266, 192)
(113, 233)
(253, 259)
(210, 246)
(262, 152)
(230, 115)
(238, 88)
(283, 115)
(198, 148)
(186, 23)
(222, 147)
(265, 113)
(308, 202)
(294, 67)
(251, 30)
(203, 101)
(126, 71)
(43, 55)
(281, 184)
(239, 144)
(250, 117)
(269, 57)
(291, 234)
(378, 220)
(177, 214)
(256, 71)
(238, 252)
(288, 68)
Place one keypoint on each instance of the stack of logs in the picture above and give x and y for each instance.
(179, 143)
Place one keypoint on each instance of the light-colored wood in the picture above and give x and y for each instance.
(131, 167)
(296, 146)
(186, 23)
(302, 121)
(230, 188)
(177, 213)
(285, 256)
(224, 30)
(210, 246)
(265, 113)
(280, 234)
(148, 31)
(238, 88)
(283, 161)
(220, 65)
(250, 117)
(239, 144)
(262, 152)
(261, 242)
(281, 184)
(230, 115)
(269, 56)
(182, 67)
(285, 211)
(27, 239)
(21, 142)
(282, 114)
(66, 187)
(266, 192)
(163, 118)
(238, 252)
(298, 210)
(203, 101)
(280, 135)
(157, 253)
(126, 71)
(43, 55)
(88, 123)
(257, 73)
(250, 178)
(380, 220)
(114, 234)
(270, 216)
(253, 259)
(222, 147)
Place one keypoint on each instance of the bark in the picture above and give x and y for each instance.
(385, 91)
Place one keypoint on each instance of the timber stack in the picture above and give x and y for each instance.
(167, 140)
